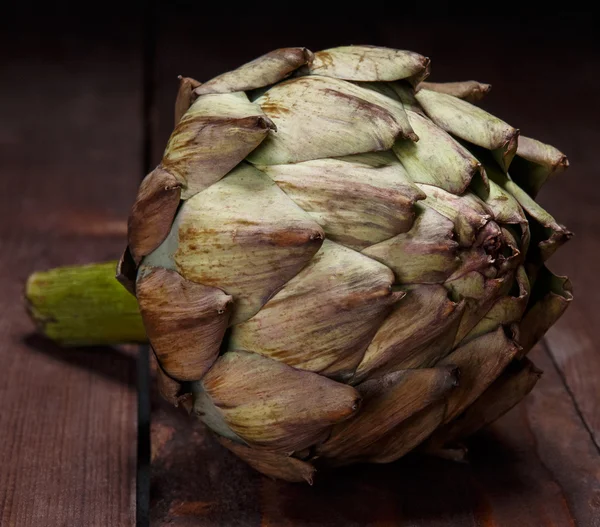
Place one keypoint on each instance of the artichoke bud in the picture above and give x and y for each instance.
(335, 259)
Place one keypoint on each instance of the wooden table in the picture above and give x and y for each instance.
(86, 107)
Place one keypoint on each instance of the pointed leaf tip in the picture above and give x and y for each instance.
(152, 213)
(370, 63)
(319, 117)
(356, 204)
(515, 382)
(535, 164)
(214, 135)
(244, 236)
(387, 401)
(480, 362)
(185, 96)
(185, 321)
(295, 409)
(272, 464)
(417, 332)
(470, 123)
(263, 71)
(323, 319)
(471, 91)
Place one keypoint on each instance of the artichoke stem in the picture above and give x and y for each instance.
(83, 306)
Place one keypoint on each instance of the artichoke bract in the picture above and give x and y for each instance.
(338, 262)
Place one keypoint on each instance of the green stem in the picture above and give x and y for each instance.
(84, 305)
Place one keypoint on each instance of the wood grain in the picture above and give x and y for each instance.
(70, 164)
(538, 465)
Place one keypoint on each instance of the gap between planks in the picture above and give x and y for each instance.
(548, 351)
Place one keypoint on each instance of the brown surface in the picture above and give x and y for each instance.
(67, 417)
(71, 154)
(538, 465)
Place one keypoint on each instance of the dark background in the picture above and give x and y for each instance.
(86, 105)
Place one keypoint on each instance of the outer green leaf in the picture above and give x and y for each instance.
(357, 205)
(436, 159)
(263, 71)
(185, 96)
(504, 393)
(215, 134)
(370, 63)
(468, 213)
(272, 464)
(471, 123)
(406, 436)
(471, 91)
(549, 235)
(536, 163)
(318, 117)
(418, 331)
(550, 298)
(186, 331)
(480, 362)
(480, 293)
(242, 235)
(506, 310)
(295, 408)
(427, 254)
(387, 402)
(152, 213)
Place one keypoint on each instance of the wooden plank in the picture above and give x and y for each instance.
(70, 163)
(523, 472)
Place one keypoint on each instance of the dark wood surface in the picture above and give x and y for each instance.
(72, 155)
(70, 135)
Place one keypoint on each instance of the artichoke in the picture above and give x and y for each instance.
(338, 262)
